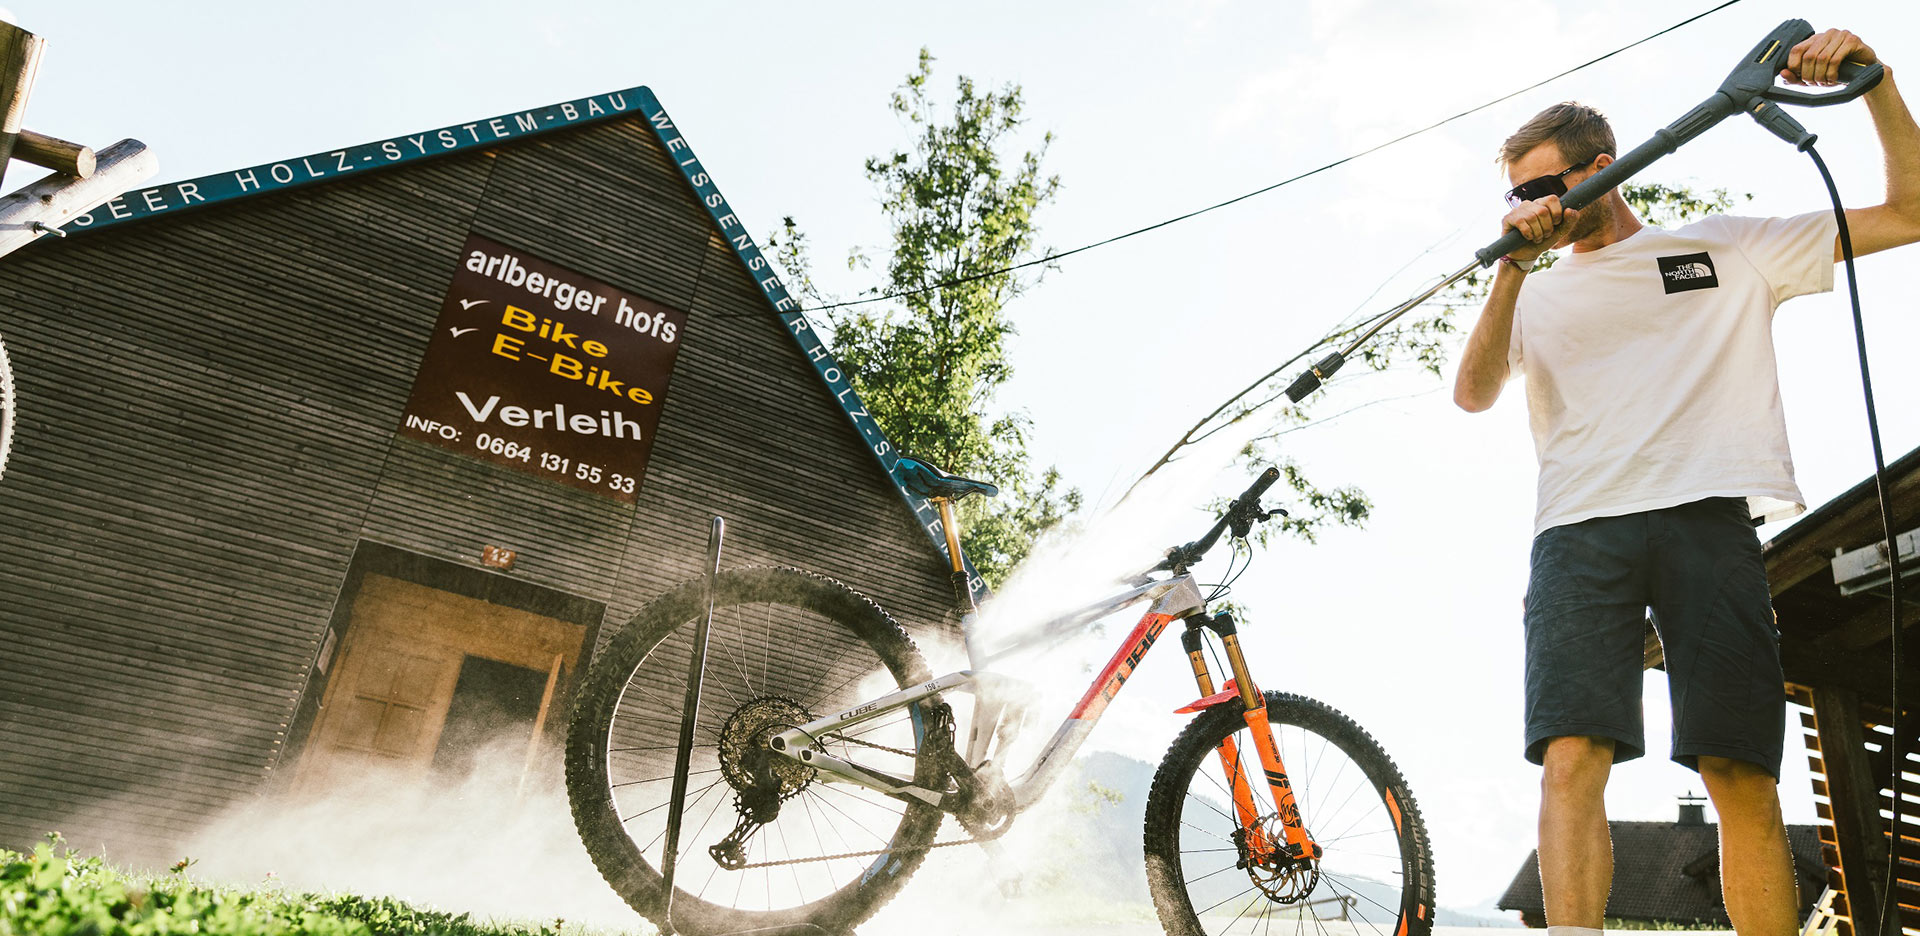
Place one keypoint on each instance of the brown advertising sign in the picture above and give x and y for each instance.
(544, 370)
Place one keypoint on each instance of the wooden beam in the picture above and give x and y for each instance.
(58, 199)
(1855, 795)
(1871, 624)
(54, 153)
(19, 64)
(1811, 550)
(1810, 662)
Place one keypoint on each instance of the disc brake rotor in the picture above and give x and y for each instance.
(1282, 878)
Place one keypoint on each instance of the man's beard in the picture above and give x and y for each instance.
(1596, 216)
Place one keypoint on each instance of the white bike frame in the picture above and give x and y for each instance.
(1172, 598)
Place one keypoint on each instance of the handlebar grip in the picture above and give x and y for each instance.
(1259, 487)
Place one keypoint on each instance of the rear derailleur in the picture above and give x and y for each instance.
(760, 778)
(757, 805)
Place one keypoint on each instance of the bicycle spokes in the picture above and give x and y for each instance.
(1215, 872)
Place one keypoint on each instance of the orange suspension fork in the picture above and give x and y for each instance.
(1243, 806)
(1299, 843)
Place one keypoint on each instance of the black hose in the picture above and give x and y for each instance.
(1889, 897)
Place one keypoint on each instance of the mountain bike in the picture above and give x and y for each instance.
(827, 757)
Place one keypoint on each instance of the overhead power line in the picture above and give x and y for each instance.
(1051, 257)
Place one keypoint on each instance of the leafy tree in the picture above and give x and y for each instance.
(929, 361)
(1422, 341)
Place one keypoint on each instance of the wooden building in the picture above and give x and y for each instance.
(244, 475)
(1838, 659)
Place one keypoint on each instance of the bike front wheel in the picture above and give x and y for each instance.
(786, 647)
(1375, 875)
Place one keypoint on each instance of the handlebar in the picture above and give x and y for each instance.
(1749, 87)
(1241, 515)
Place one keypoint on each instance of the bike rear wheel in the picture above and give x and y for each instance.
(786, 647)
(1375, 877)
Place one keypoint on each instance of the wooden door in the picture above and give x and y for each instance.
(403, 655)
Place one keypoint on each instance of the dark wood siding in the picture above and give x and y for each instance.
(208, 413)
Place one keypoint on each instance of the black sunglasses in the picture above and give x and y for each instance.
(1536, 189)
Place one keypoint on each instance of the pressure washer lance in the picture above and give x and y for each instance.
(1750, 88)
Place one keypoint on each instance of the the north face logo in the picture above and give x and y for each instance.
(1688, 271)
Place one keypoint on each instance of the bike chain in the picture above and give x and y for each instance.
(877, 851)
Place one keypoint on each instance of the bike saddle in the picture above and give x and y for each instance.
(923, 479)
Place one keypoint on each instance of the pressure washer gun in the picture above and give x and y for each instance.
(1750, 87)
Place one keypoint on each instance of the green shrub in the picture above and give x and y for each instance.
(54, 893)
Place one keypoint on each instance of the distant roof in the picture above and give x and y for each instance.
(1668, 872)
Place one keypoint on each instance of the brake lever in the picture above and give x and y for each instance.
(1243, 523)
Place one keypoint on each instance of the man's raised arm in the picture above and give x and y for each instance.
(1483, 365)
(1895, 223)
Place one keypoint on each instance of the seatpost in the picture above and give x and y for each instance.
(950, 525)
(962, 586)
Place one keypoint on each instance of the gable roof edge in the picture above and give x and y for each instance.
(329, 165)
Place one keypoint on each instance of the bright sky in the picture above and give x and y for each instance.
(1411, 626)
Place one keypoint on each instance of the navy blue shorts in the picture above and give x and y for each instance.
(1698, 568)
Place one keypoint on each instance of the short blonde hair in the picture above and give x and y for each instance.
(1579, 131)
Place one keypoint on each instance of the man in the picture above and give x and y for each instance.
(1656, 417)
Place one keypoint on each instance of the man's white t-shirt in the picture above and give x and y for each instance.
(1650, 369)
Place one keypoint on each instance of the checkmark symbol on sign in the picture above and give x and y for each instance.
(457, 332)
(470, 303)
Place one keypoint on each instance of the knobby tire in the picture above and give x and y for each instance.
(619, 757)
(1352, 799)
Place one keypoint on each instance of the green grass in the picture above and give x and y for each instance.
(53, 892)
